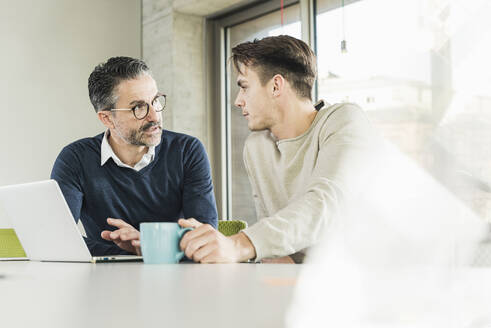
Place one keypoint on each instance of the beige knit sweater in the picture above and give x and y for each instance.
(299, 184)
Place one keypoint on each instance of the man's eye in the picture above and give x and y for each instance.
(140, 107)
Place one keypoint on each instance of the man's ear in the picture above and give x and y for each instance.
(279, 83)
(105, 118)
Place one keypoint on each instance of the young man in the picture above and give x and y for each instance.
(301, 160)
(135, 171)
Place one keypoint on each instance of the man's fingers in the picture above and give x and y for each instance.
(125, 246)
(190, 235)
(130, 232)
(284, 259)
(210, 258)
(198, 242)
(118, 223)
(116, 234)
(105, 235)
(204, 251)
(195, 222)
(184, 223)
(124, 238)
(215, 257)
(189, 223)
(136, 243)
(130, 235)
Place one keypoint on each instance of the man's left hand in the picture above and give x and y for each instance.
(126, 236)
(204, 244)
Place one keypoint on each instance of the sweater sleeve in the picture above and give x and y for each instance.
(342, 168)
(198, 197)
(67, 171)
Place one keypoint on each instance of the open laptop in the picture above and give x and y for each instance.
(45, 226)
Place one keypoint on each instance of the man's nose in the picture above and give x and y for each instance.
(239, 102)
(153, 116)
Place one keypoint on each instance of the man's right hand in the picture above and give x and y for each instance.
(126, 236)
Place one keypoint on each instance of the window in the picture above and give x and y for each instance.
(419, 69)
(240, 193)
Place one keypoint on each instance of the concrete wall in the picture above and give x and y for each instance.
(49, 48)
(173, 48)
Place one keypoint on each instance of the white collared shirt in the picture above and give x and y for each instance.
(107, 153)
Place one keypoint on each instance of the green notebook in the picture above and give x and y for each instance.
(10, 246)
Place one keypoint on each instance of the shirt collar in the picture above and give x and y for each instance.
(107, 153)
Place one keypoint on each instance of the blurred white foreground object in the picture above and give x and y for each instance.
(397, 255)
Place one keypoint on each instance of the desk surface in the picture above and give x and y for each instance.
(34, 294)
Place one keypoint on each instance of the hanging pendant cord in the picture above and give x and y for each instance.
(342, 12)
(281, 12)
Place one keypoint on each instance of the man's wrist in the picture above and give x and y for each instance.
(243, 245)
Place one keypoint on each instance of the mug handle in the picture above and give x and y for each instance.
(181, 233)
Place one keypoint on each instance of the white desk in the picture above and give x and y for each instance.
(71, 295)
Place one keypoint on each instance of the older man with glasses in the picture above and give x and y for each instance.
(135, 171)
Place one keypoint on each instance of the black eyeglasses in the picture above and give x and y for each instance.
(141, 110)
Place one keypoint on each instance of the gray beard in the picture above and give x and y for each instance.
(136, 136)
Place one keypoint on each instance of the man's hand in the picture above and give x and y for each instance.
(126, 236)
(204, 244)
(282, 260)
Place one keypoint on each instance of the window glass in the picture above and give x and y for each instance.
(420, 71)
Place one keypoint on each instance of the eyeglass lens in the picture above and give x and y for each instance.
(141, 111)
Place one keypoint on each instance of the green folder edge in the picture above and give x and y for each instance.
(10, 246)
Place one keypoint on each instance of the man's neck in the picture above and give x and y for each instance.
(295, 117)
(128, 154)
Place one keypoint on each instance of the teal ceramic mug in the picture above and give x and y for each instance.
(160, 242)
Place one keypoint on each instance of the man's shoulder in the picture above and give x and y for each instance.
(335, 117)
(179, 143)
(168, 135)
(171, 139)
(345, 119)
(85, 145)
(341, 111)
(79, 155)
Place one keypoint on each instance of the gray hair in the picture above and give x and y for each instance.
(106, 76)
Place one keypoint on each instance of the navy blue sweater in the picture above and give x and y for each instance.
(176, 184)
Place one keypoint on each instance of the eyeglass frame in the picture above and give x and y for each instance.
(134, 108)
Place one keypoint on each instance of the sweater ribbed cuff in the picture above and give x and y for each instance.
(256, 235)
